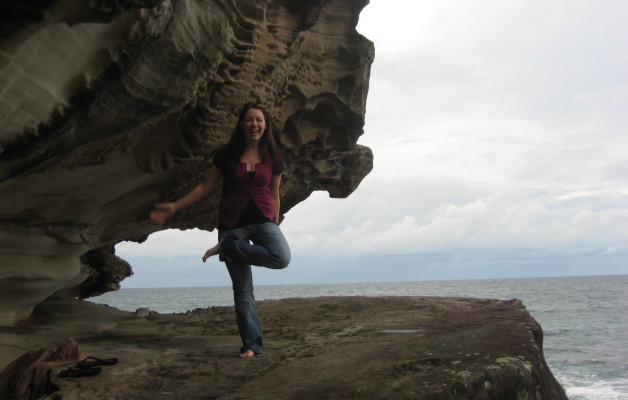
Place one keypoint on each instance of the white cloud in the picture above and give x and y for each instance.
(508, 219)
(170, 243)
(561, 62)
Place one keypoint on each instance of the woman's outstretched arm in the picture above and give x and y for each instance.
(163, 211)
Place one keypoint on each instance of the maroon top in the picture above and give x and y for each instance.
(238, 189)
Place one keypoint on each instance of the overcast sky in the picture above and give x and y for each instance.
(499, 130)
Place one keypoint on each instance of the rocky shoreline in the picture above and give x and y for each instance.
(315, 348)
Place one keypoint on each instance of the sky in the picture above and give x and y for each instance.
(500, 135)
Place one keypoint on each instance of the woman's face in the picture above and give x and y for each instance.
(253, 124)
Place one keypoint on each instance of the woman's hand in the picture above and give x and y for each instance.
(162, 212)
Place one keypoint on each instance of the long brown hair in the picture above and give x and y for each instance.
(236, 144)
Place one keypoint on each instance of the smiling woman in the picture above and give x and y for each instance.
(253, 125)
(250, 167)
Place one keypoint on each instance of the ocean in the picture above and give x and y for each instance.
(584, 319)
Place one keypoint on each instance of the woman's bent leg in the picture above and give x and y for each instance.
(246, 312)
(269, 248)
(270, 237)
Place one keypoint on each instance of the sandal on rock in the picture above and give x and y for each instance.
(78, 373)
(94, 362)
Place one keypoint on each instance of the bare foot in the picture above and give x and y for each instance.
(214, 250)
(211, 252)
(247, 354)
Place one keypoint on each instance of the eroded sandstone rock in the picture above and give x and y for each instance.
(109, 106)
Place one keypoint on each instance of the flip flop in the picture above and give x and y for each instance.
(94, 362)
(79, 373)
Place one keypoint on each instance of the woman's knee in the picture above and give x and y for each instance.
(280, 260)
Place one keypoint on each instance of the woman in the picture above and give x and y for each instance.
(250, 167)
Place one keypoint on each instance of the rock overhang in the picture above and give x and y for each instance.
(109, 107)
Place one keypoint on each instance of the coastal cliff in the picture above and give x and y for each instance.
(430, 348)
(109, 106)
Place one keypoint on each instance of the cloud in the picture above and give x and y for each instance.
(512, 61)
(568, 223)
(169, 244)
(616, 171)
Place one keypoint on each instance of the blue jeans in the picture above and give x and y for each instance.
(259, 244)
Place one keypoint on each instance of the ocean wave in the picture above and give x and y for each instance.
(591, 387)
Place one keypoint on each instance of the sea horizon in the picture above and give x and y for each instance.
(388, 282)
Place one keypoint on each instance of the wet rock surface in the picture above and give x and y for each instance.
(316, 348)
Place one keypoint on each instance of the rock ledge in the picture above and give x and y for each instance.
(316, 348)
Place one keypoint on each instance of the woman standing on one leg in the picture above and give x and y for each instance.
(250, 167)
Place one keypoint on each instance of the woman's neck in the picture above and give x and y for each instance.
(251, 147)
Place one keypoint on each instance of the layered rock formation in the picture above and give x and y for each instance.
(108, 106)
